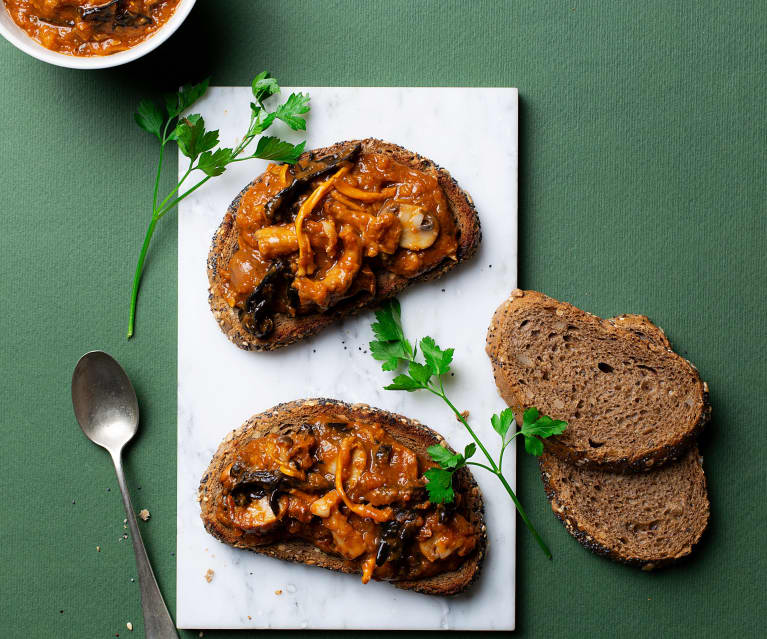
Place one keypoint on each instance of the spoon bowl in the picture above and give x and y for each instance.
(104, 401)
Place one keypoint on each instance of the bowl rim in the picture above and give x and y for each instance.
(24, 42)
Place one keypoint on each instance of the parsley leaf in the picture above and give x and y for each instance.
(390, 347)
(440, 485)
(294, 107)
(389, 325)
(419, 372)
(502, 421)
(176, 103)
(149, 117)
(535, 426)
(390, 353)
(271, 148)
(437, 359)
(192, 138)
(264, 86)
(214, 163)
(404, 382)
(444, 457)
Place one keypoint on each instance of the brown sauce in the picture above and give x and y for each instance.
(349, 489)
(365, 216)
(75, 27)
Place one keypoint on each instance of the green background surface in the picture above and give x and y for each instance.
(642, 189)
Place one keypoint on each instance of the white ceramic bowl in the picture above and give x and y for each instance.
(19, 39)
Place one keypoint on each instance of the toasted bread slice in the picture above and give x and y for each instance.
(643, 519)
(408, 432)
(289, 329)
(630, 402)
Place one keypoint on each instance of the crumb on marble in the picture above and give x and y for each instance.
(209, 575)
(278, 592)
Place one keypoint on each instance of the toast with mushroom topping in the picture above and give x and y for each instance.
(340, 486)
(630, 402)
(343, 229)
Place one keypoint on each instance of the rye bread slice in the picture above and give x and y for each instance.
(287, 329)
(647, 520)
(408, 432)
(630, 402)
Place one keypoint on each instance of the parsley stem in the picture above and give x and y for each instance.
(170, 206)
(495, 470)
(138, 273)
(487, 468)
(157, 177)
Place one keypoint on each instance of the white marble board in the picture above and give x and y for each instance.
(472, 133)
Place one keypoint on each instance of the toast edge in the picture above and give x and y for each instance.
(400, 427)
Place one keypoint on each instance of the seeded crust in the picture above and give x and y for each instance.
(288, 330)
(644, 410)
(407, 432)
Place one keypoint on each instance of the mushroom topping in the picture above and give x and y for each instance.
(257, 316)
(303, 173)
(420, 227)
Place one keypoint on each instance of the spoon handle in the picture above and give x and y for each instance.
(157, 621)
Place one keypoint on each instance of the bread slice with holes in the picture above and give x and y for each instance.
(288, 328)
(649, 520)
(630, 402)
(286, 417)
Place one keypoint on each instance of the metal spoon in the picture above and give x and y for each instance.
(107, 410)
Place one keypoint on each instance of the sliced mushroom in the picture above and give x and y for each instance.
(304, 172)
(396, 535)
(420, 228)
(257, 315)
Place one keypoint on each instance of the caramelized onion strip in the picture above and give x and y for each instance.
(365, 196)
(305, 259)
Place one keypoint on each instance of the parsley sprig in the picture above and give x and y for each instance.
(169, 123)
(393, 349)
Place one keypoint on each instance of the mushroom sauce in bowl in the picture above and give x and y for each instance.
(90, 33)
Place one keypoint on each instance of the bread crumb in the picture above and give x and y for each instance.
(278, 592)
(98, 548)
(464, 414)
(517, 293)
(209, 575)
(129, 626)
(144, 514)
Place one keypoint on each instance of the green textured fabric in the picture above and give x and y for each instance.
(642, 189)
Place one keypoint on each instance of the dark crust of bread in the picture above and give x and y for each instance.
(631, 327)
(292, 329)
(579, 529)
(408, 432)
